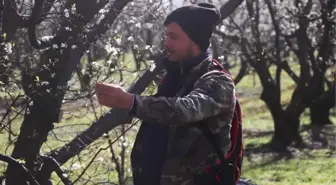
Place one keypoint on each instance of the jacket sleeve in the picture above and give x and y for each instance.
(212, 94)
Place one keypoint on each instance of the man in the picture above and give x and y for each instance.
(169, 148)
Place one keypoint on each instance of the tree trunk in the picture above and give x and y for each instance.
(42, 114)
(286, 131)
(319, 114)
(320, 108)
(47, 99)
(286, 124)
(104, 124)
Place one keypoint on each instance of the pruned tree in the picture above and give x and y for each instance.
(270, 34)
(55, 36)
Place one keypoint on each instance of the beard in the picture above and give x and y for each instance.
(178, 56)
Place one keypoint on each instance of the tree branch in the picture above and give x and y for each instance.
(37, 43)
(116, 161)
(47, 5)
(14, 162)
(228, 8)
(284, 65)
(277, 41)
(49, 162)
(105, 23)
(242, 72)
(326, 48)
(106, 122)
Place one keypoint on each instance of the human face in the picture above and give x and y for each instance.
(178, 45)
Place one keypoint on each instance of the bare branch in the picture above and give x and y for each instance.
(116, 161)
(49, 162)
(14, 162)
(47, 5)
(100, 150)
(9, 109)
(104, 24)
(106, 122)
(228, 8)
(234, 38)
(242, 71)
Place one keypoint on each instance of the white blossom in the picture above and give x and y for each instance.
(73, 9)
(118, 40)
(152, 65)
(64, 45)
(8, 48)
(102, 11)
(66, 13)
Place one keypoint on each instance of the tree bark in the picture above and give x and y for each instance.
(286, 124)
(320, 108)
(286, 131)
(40, 117)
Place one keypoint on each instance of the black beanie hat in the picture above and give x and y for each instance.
(197, 21)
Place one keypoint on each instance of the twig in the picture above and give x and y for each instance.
(9, 109)
(57, 168)
(13, 161)
(101, 149)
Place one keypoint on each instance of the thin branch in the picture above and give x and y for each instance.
(51, 162)
(104, 24)
(284, 65)
(14, 162)
(9, 109)
(233, 38)
(242, 72)
(276, 29)
(100, 150)
(115, 160)
(228, 8)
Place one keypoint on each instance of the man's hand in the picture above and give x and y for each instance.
(113, 96)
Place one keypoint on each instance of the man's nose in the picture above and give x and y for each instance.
(166, 43)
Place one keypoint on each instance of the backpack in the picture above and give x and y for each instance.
(227, 170)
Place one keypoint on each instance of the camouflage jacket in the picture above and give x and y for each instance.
(212, 101)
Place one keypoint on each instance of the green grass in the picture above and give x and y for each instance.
(307, 167)
(316, 169)
(313, 167)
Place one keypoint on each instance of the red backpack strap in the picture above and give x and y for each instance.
(236, 151)
(221, 68)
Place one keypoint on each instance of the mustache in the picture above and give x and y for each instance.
(168, 50)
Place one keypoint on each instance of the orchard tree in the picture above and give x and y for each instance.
(56, 37)
(44, 85)
(278, 34)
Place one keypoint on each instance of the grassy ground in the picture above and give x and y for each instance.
(312, 165)
(308, 166)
